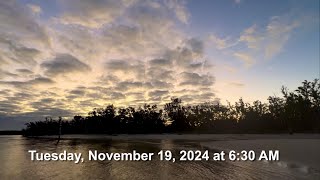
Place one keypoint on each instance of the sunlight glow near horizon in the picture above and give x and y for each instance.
(61, 58)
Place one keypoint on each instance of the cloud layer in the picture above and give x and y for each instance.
(78, 54)
(97, 52)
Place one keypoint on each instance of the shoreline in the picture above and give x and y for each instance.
(202, 137)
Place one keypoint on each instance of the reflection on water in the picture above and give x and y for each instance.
(16, 163)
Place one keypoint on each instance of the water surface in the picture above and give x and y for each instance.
(16, 163)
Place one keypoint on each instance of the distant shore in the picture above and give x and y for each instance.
(202, 137)
(11, 132)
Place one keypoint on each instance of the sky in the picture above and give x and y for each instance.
(66, 57)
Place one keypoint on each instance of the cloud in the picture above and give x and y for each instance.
(160, 62)
(9, 123)
(195, 79)
(123, 65)
(236, 84)
(179, 8)
(35, 9)
(158, 93)
(161, 84)
(223, 43)
(28, 83)
(123, 68)
(218, 42)
(4, 74)
(237, 1)
(164, 74)
(260, 42)
(246, 58)
(131, 85)
(24, 71)
(196, 45)
(13, 52)
(229, 68)
(252, 37)
(40, 80)
(117, 95)
(64, 64)
(78, 92)
(91, 14)
(18, 24)
(8, 107)
(271, 39)
(278, 33)
(47, 100)
(87, 54)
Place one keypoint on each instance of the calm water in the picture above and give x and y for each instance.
(15, 162)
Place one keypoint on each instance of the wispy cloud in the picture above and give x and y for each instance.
(35, 9)
(237, 1)
(236, 84)
(246, 58)
(266, 41)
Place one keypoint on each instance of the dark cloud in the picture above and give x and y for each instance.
(64, 64)
(17, 21)
(127, 85)
(46, 111)
(8, 107)
(182, 56)
(24, 71)
(4, 74)
(14, 52)
(161, 84)
(160, 62)
(41, 80)
(123, 37)
(135, 67)
(196, 45)
(16, 120)
(117, 95)
(20, 35)
(12, 123)
(118, 65)
(5, 92)
(195, 79)
(26, 84)
(47, 100)
(48, 93)
(25, 55)
(198, 97)
(78, 92)
(158, 93)
(196, 66)
(163, 74)
(23, 96)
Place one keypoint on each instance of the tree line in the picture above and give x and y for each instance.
(295, 112)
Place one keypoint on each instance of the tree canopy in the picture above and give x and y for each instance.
(295, 111)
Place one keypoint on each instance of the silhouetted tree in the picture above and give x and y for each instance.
(296, 111)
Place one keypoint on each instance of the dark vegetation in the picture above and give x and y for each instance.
(297, 111)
